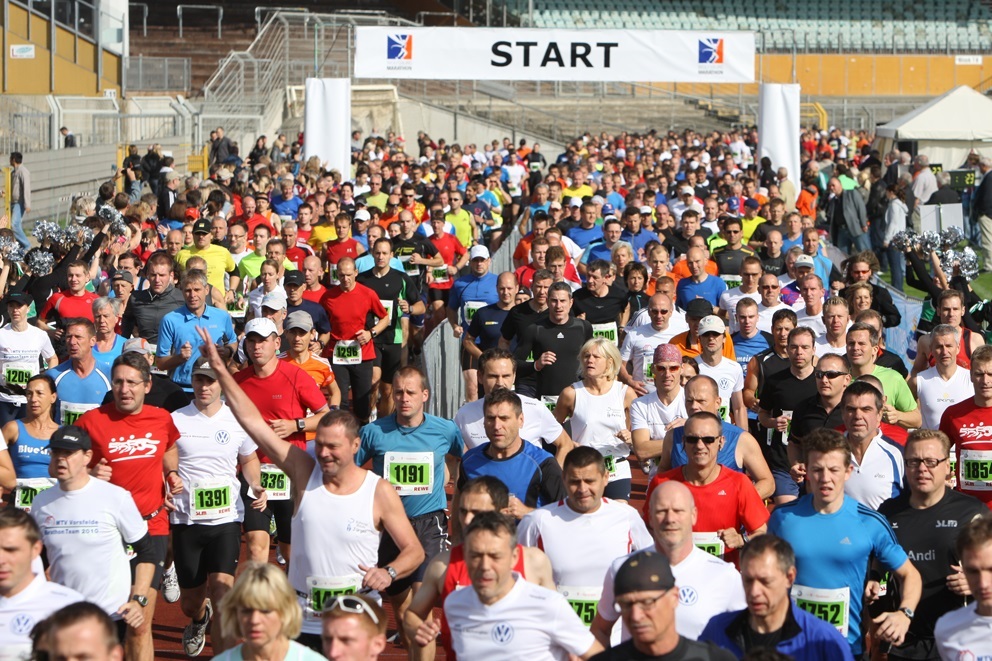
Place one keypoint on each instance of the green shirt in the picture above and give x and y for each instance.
(896, 389)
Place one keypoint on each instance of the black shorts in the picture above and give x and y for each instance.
(432, 532)
(469, 362)
(256, 521)
(390, 359)
(161, 549)
(438, 295)
(200, 550)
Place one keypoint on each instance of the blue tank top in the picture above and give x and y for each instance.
(746, 348)
(727, 456)
(30, 455)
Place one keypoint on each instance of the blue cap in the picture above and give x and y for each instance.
(734, 204)
(608, 210)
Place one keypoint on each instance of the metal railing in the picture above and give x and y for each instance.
(23, 128)
(144, 16)
(217, 8)
(157, 74)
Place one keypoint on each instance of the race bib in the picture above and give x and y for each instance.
(332, 274)
(17, 373)
(709, 542)
(347, 352)
(471, 307)
(70, 412)
(550, 401)
(389, 310)
(830, 605)
(788, 427)
(412, 270)
(275, 482)
(723, 411)
(321, 590)
(412, 473)
(210, 499)
(649, 368)
(28, 488)
(583, 601)
(440, 275)
(731, 280)
(609, 331)
(236, 310)
(618, 469)
(976, 470)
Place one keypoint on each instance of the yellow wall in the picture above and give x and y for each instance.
(75, 60)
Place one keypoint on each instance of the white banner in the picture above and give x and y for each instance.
(778, 127)
(327, 122)
(554, 54)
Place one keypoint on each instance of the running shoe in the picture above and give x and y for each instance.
(170, 585)
(195, 633)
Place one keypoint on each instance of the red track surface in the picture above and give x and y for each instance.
(170, 621)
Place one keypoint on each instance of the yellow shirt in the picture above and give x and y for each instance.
(748, 226)
(463, 226)
(321, 234)
(219, 261)
(585, 190)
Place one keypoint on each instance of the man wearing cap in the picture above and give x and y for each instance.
(797, 267)
(122, 286)
(706, 584)
(771, 619)
(294, 282)
(688, 342)
(292, 404)
(298, 338)
(133, 447)
(83, 521)
(23, 350)
(727, 373)
(400, 296)
(206, 521)
(469, 294)
(219, 259)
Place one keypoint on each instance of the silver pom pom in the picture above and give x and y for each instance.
(11, 249)
(45, 230)
(118, 226)
(951, 237)
(905, 239)
(41, 262)
(930, 242)
(969, 264)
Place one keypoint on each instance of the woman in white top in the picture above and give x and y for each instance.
(268, 282)
(262, 610)
(599, 406)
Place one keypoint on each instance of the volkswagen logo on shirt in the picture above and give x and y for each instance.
(222, 437)
(22, 624)
(502, 633)
(688, 596)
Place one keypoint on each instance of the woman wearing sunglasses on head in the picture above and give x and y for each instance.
(262, 610)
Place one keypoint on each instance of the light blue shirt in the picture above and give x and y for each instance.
(179, 327)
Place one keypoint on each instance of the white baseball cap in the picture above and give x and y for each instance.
(711, 324)
(804, 260)
(362, 214)
(478, 252)
(262, 326)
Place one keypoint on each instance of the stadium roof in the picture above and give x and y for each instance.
(961, 114)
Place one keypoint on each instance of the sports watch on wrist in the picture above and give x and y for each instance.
(391, 572)
(908, 612)
(141, 600)
(301, 424)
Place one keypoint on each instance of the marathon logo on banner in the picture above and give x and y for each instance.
(554, 54)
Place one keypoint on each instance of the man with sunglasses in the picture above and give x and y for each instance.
(926, 519)
(353, 628)
(748, 288)
(640, 342)
(730, 257)
(821, 411)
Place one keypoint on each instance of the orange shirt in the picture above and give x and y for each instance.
(319, 369)
(681, 270)
(692, 350)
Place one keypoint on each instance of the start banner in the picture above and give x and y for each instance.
(554, 54)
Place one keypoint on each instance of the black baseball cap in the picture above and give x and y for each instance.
(70, 438)
(201, 227)
(19, 297)
(698, 308)
(644, 572)
(293, 278)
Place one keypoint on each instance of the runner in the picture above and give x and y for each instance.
(879, 473)
(338, 505)
(640, 342)
(455, 256)
(969, 424)
(602, 304)
(354, 626)
(469, 294)
(964, 633)
(518, 318)
(26, 442)
(79, 381)
(749, 274)
(725, 371)
(944, 384)
(836, 320)
(23, 348)
(134, 448)
(653, 414)
(484, 331)
(206, 522)
(299, 335)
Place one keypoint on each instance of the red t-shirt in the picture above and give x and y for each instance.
(315, 295)
(134, 445)
(68, 306)
(730, 501)
(970, 430)
(338, 249)
(289, 393)
(296, 255)
(348, 312)
(450, 249)
(254, 221)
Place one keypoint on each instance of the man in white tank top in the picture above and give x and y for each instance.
(341, 509)
(946, 382)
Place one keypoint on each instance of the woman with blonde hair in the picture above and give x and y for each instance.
(599, 406)
(262, 610)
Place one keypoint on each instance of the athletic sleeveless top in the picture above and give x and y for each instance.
(727, 455)
(332, 535)
(30, 455)
(596, 419)
(455, 578)
(964, 350)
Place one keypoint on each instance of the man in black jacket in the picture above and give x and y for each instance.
(944, 193)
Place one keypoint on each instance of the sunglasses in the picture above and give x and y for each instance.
(671, 369)
(350, 604)
(694, 440)
(769, 286)
(830, 374)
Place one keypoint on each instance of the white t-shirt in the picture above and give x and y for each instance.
(728, 302)
(530, 622)
(880, 474)
(964, 634)
(611, 532)
(765, 315)
(936, 394)
(515, 174)
(707, 586)
(811, 321)
(539, 424)
(209, 447)
(19, 354)
(821, 347)
(84, 532)
(639, 345)
(649, 412)
(729, 377)
(20, 613)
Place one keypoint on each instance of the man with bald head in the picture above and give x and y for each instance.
(699, 284)
(707, 585)
(640, 342)
(484, 331)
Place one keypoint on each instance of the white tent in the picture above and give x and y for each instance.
(945, 129)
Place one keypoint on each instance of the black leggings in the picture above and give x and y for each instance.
(356, 380)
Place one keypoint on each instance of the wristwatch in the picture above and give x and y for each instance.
(141, 600)
(301, 424)
(373, 333)
(908, 612)
(391, 572)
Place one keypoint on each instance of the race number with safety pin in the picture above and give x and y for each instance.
(275, 482)
(583, 601)
(321, 590)
(412, 473)
(210, 499)
(28, 489)
(347, 352)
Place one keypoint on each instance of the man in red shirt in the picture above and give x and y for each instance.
(72, 302)
(441, 278)
(969, 426)
(538, 253)
(250, 218)
(312, 272)
(296, 250)
(729, 508)
(351, 350)
(290, 401)
(341, 247)
(134, 447)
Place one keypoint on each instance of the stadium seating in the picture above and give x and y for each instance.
(823, 26)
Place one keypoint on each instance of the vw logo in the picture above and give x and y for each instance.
(222, 437)
(502, 633)
(688, 596)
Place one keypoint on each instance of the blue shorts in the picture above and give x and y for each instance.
(784, 484)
